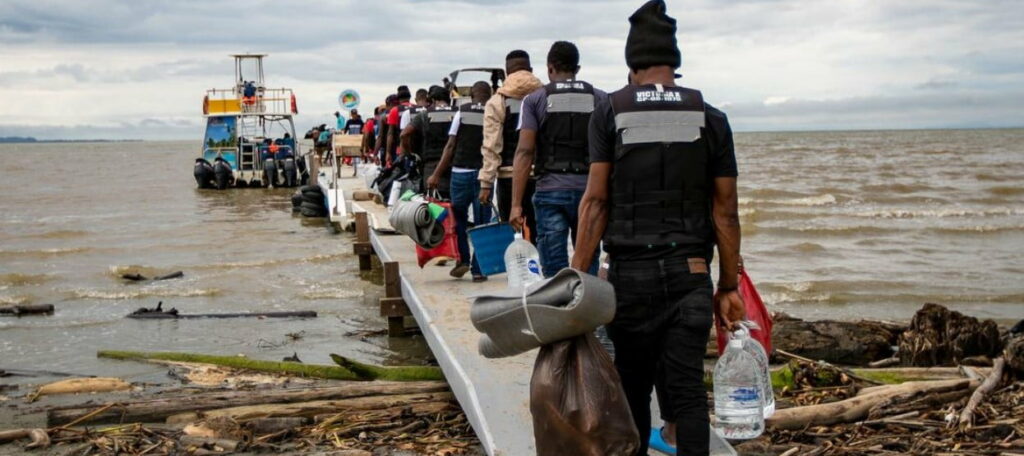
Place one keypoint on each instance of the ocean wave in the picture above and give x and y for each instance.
(16, 300)
(271, 262)
(979, 229)
(60, 234)
(44, 252)
(901, 188)
(332, 293)
(138, 293)
(939, 213)
(817, 200)
(15, 279)
(833, 230)
(1006, 191)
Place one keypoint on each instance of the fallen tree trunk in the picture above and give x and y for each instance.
(855, 408)
(156, 410)
(177, 316)
(938, 336)
(967, 415)
(289, 368)
(314, 408)
(29, 309)
(389, 373)
(836, 342)
(80, 385)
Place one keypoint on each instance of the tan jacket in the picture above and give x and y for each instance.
(517, 85)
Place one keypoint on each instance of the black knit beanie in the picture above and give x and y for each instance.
(652, 38)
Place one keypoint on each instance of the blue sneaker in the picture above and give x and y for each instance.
(658, 443)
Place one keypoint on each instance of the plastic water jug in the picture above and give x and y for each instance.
(522, 263)
(739, 406)
(754, 348)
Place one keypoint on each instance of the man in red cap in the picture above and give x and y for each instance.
(661, 192)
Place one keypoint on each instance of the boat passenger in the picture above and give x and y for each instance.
(393, 121)
(553, 143)
(432, 126)
(462, 157)
(660, 229)
(380, 146)
(339, 122)
(354, 124)
(501, 137)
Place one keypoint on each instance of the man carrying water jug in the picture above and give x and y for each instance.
(661, 192)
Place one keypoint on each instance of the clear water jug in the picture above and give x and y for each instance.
(739, 406)
(522, 263)
(754, 348)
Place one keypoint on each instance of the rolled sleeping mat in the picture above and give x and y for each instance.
(567, 305)
(413, 219)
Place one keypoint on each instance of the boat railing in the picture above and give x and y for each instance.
(265, 102)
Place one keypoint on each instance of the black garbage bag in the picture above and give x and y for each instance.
(577, 402)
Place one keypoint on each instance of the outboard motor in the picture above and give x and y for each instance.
(270, 172)
(290, 172)
(203, 173)
(222, 173)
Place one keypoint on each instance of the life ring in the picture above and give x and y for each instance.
(295, 107)
(206, 105)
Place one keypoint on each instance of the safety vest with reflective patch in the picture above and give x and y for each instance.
(439, 121)
(660, 186)
(562, 137)
(509, 132)
(470, 137)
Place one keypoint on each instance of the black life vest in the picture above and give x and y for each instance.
(439, 122)
(661, 188)
(417, 139)
(562, 138)
(509, 130)
(470, 137)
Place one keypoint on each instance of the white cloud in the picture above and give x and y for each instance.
(105, 66)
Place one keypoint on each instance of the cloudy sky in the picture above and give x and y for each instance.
(139, 68)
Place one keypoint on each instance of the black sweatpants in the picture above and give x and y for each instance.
(662, 321)
(505, 203)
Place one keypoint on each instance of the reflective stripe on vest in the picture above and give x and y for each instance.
(513, 105)
(440, 116)
(471, 118)
(571, 102)
(659, 126)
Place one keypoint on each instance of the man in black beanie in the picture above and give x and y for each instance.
(661, 193)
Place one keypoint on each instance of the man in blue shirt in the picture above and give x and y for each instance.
(553, 126)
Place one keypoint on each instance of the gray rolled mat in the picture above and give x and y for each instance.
(413, 219)
(567, 305)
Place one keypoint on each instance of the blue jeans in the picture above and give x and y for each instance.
(557, 217)
(465, 192)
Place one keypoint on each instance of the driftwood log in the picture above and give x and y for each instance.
(158, 409)
(837, 342)
(428, 402)
(858, 407)
(938, 336)
(966, 418)
(28, 309)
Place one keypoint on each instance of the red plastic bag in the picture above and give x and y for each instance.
(756, 312)
(448, 249)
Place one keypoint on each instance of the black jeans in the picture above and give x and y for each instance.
(662, 322)
(505, 204)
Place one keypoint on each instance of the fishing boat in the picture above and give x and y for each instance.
(250, 133)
